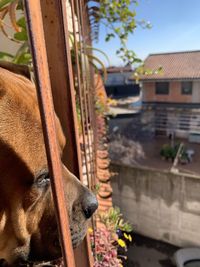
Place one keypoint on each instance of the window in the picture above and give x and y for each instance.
(186, 88)
(162, 88)
(184, 122)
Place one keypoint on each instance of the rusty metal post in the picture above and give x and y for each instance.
(61, 77)
(80, 87)
(37, 42)
(57, 38)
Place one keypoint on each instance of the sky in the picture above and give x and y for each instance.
(175, 27)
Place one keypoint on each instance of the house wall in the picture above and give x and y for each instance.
(196, 92)
(149, 122)
(159, 204)
(174, 95)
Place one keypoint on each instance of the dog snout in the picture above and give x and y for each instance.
(89, 204)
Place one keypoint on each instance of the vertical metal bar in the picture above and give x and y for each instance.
(36, 34)
(86, 41)
(83, 252)
(61, 77)
(84, 80)
(57, 38)
(80, 8)
(89, 94)
(80, 89)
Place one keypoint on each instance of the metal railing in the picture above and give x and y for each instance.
(65, 87)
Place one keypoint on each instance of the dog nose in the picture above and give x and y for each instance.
(89, 204)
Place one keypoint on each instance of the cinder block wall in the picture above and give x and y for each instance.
(160, 205)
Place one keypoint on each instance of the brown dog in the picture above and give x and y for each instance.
(28, 227)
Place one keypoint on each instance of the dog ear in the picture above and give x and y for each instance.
(18, 69)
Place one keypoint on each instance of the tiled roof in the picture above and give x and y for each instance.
(176, 65)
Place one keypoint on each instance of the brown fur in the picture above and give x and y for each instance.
(27, 220)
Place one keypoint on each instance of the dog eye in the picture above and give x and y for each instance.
(43, 179)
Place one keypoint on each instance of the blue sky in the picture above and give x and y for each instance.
(176, 27)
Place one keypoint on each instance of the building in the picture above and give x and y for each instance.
(121, 87)
(173, 95)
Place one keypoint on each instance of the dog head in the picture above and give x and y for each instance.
(28, 228)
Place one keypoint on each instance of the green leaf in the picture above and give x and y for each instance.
(107, 39)
(5, 2)
(100, 51)
(137, 60)
(20, 5)
(22, 22)
(93, 60)
(21, 36)
(24, 58)
(117, 30)
(6, 56)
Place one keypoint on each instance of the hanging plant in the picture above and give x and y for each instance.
(8, 8)
(19, 36)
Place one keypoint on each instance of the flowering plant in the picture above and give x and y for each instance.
(109, 241)
(105, 248)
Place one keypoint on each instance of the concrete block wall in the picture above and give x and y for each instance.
(160, 205)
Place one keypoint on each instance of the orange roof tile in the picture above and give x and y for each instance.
(175, 65)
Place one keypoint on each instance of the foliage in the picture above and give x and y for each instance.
(96, 189)
(119, 18)
(20, 36)
(110, 239)
(142, 70)
(113, 220)
(86, 57)
(102, 102)
(169, 152)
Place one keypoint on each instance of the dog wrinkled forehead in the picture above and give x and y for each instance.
(18, 105)
(22, 80)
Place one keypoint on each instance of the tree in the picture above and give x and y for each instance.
(119, 18)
